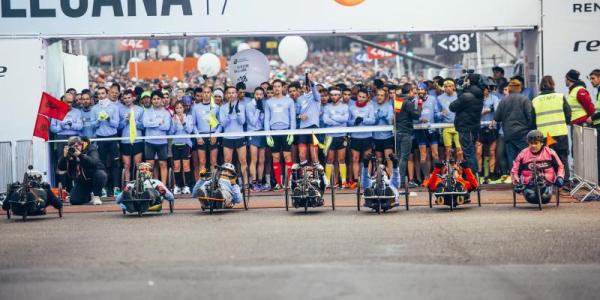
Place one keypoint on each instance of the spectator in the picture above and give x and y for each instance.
(515, 114)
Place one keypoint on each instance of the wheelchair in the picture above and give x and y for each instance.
(214, 198)
(380, 197)
(307, 189)
(451, 193)
(29, 198)
(141, 198)
(537, 184)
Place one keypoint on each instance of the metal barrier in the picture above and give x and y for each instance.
(585, 160)
(23, 157)
(6, 165)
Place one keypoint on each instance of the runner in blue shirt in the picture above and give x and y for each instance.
(232, 116)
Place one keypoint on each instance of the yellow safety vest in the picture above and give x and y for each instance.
(597, 122)
(549, 114)
(577, 110)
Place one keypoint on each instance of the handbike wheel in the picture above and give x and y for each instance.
(305, 206)
(557, 196)
(8, 213)
(514, 197)
(332, 191)
(60, 212)
(25, 216)
(430, 196)
(452, 203)
(171, 206)
(406, 193)
(539, 195)
(358, 196)
(285, 187)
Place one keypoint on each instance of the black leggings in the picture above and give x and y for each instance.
(109, 155)
(81, 193)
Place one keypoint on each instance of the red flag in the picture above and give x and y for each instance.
(42, 125)
(52, 107)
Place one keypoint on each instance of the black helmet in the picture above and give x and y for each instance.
(535, 135)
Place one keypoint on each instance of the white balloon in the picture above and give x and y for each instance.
(209, 64)
(163, 50)
(293, 50)
(176, 56)
(242, 47)
(250, 67)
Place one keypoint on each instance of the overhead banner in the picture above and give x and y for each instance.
(571, 39)
(148, 18)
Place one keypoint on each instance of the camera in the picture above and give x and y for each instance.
(71, 151)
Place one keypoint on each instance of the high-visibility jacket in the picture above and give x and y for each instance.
(597, 122)
(549, 115)
(577, 110)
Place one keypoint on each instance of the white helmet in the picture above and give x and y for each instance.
(229, 167)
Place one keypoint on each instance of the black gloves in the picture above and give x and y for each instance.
(394, 160)
(260, 106)
(230, 108)
(357, 121)
(438, 164)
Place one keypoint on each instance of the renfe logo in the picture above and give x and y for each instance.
(586, 7)
(590, 46)
(3, 71)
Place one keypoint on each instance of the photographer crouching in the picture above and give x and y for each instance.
(81, 163)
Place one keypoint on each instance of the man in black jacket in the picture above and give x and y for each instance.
(81, 163)
(468, 109)
(515, 113)
(407, 111)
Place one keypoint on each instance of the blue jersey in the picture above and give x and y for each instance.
(182, 128)
(310, 106)
(109, 126)
(280, 114)
(125, 114)
(157, 123)
(255, 118)
(384, 115)
(200, 113)
(71, 125)
(336, 115)
(444, 102)
(367, 113)
(489, 104)
(88, 125)
(234, 121)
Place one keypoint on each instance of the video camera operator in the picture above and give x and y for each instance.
(468, 108)
(81, 163)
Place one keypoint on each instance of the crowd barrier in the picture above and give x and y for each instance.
(6, 171)
(585, 161)
(280, 132)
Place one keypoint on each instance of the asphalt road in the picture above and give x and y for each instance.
(492, 252)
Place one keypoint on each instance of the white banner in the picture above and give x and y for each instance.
(21, 87)
(76, 71)
(571, 39)
(147, 18)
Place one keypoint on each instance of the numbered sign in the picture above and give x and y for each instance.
(455, 43)
(375, 53)
(128, 45)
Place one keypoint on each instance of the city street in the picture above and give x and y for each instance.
(492, 252)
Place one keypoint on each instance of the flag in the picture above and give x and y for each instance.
(212, 121)
(132, 126)
(42, 124)
(549, 140)
(398, 104)
(52, 107)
